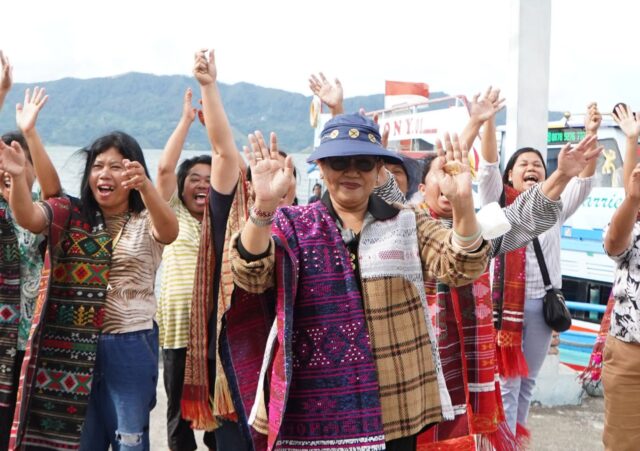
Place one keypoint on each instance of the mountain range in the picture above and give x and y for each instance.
(149, 106)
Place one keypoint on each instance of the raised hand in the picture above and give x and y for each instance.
(204, 69)
(27, 113)
(331, 94)
(188, 111)
(12, 158)
(573, 159)
(6, 73)
(134, 176)
(452, 169)
(483, 109)
(593, 118)
(626, 120)
(271, 179)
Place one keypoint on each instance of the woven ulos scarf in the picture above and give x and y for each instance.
(593, 371)
(508, 306)
(9, 306)
(463, 315)
(197, 404)
(318, 369)
(56, 376)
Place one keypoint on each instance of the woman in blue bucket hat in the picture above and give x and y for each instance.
(350, 358)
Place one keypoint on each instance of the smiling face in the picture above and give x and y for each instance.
(196, 185)
(105, 182)
(434, 198)
(527, 171)
(350, 187)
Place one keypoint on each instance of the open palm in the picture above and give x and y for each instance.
(27, 112)
(270, 176)
(626, 120)
(454, 186)
(331, 94)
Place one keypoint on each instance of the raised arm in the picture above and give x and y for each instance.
(331, 94)
(164, 223)
(6, 77)
(481, 111)
(592, 124)
(630, 125)
(167, 181)
(618, 237)
(452, 171)
(26, 117)
(489, 177)
(226, 161)
(270, 181)
(26, 213)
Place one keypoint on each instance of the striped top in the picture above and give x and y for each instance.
(176, 286)
(577, 190)
(131, 302)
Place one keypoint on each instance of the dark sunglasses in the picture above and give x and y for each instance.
(362, 164)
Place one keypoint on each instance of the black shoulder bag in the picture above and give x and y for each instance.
(555, 311)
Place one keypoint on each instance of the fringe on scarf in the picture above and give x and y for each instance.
(523, 437)
(511, 359)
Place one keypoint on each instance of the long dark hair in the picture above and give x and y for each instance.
(184, 168)
(130, 149)
(512, 162)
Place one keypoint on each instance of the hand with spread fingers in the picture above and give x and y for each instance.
(204, 67)
(134, 176)
(626, 120)
(27, 112)
(485, 108)
(12, 158)
(331, 94)
(573, 159)
(593, 119)
(452, 169)
(271, 179)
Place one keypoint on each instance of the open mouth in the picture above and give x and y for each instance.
(7, 181)
(200, 198)
(105, 189)
(531, 178)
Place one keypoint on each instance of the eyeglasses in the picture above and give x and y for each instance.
(362, 164)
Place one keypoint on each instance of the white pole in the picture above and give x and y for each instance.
(527, 87)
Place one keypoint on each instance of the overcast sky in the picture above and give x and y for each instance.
(454, 46)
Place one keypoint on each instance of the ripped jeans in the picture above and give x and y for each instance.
(123, 392)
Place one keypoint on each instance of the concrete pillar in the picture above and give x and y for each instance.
(527, 87)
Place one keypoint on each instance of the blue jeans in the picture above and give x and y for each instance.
(123, 392)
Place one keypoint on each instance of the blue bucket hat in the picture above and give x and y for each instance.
(349, 135)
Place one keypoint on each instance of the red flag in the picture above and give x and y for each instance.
(403, 92)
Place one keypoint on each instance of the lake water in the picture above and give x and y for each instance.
(70, 166)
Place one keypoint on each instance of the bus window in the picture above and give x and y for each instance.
(608, 169)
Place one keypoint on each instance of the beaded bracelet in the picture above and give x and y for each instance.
(261, 213)
(261, 218)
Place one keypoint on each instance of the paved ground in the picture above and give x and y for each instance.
(576, 428)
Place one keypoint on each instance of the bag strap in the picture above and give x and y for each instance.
(543, 266)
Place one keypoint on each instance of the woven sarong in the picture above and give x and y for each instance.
(55, 381)
(9, 306)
